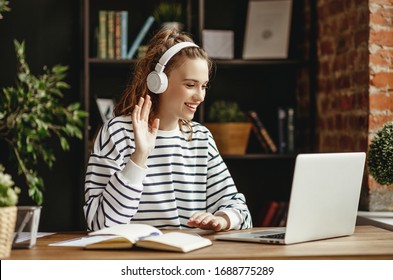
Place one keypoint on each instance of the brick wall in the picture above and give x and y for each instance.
(343, 76)
(355, 81)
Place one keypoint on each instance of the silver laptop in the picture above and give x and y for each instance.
(324, 200)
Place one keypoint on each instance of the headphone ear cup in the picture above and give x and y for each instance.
(157, 82)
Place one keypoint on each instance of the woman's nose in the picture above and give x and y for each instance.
(200, 95)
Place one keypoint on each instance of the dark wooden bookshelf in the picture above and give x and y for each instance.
(259, 156)
(260, 62)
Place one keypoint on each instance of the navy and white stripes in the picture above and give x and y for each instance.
(181, 177)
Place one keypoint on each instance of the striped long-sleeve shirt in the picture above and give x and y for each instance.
(181, 177)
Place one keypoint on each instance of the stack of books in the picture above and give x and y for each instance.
(112, 35)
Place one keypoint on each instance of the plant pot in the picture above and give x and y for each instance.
(232, 137)
(7, 227)
(26, 228)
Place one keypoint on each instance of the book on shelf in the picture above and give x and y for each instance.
(280, 215)
(286, 130)
(123, 34)
(283, 220)
(268, 217)
(102, 37)
(111, 34)
(282, 132)
(126, 236)
(117, 35)
(291, 130)
(139, 38)
(275, 214)
(262, 134)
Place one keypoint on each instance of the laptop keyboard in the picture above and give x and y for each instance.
(274, 236)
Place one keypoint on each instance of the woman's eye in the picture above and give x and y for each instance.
(189, 85)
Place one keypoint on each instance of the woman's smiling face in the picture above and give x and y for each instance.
(187, 85)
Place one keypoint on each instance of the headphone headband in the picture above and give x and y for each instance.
(170, 53)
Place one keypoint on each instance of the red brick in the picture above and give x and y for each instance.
(324, 68)
(342, 82)
(382, 17)
(362, 59)
(361, 78)
(326, 47)
(363, 100)
(360, 121)
(340, 63)
(335, 7)
(382, 58)
(330, 85)
(384, 38)
(381, 101)
(382, 80)
(361, 37)
(376, 122)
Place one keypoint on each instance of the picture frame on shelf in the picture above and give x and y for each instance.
(219, 43)
(105, 107)
(267, 29)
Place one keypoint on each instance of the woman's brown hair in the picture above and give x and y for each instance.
(158, 45)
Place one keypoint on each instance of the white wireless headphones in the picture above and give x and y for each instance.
(157, 80)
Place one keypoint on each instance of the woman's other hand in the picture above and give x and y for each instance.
(205, 220)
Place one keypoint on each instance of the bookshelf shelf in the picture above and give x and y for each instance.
(220, 62)
(260, 156)
(95, 60)
(245, 63)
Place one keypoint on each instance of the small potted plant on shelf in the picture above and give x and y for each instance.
(380, 155)
(31, 116)
(169, 15)
(8, 200)
(229, 127)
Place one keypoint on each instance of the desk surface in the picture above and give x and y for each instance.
(367, 242)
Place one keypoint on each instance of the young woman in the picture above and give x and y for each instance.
(150, 163)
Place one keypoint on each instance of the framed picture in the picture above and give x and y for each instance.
(105, 107)
(267, 29)
(218, 43)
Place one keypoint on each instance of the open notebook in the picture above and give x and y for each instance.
(324, 200)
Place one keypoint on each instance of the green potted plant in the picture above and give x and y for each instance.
(380, 155)
(8, 200)
(32, 116)
(229, 127)
(169, 15)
